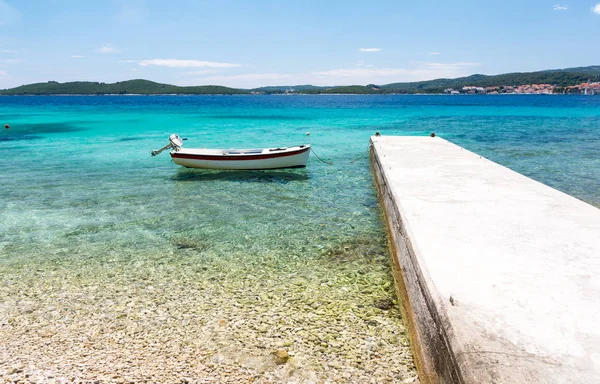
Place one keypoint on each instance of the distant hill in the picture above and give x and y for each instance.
(144, 87)
(592, 70)
(558, 77)
(286, 88)
(345, 89)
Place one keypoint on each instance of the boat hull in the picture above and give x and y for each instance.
(293, 157)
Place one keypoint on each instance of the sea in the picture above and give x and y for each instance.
(85, 208)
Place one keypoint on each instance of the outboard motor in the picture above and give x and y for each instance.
(175, 142)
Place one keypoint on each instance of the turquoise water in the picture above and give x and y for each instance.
(76, 171)
(84, 204)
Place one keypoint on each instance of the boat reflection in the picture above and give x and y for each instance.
(252, 176)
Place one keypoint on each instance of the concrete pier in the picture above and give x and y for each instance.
(499, 274)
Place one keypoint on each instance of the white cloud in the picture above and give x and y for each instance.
(363, 72)
(364, 75)
(8, 14)
(596, 9)
(107, 48)
(433, 53)
(559, 7)
(369, 49)
(128, 61)
(359, 75)
(176, 63)
(76, 56)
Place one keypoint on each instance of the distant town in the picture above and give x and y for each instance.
(587, 88)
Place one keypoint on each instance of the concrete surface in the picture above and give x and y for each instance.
(500, 274)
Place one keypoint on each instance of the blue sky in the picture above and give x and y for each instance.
(278, 42)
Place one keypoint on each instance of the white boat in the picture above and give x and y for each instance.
(261, 158)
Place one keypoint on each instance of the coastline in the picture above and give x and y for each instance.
(301, 94)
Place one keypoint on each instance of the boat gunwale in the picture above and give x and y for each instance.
(243, 156)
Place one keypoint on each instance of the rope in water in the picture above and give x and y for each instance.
(364, 153)
(327, 162)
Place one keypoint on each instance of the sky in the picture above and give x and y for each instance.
(252, 43)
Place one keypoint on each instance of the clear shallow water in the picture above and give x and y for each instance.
(84, 204)
(77, 173)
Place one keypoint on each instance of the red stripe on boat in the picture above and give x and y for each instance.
(227, 157)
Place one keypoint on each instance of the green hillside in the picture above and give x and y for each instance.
(558, 77)
(143, 87)
(592, 70)
(561, 77)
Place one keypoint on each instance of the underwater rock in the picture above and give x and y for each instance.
(281, 356)
(189, 243)
(384, 304)
(353, 250)
(372, 322)
(229, 317)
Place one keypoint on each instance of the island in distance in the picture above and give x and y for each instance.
(578, 80)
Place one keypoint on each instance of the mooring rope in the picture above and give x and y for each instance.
(326, 162)
(364, 153)
(358, 158)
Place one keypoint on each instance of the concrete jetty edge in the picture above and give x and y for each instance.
(498, 275)
(433, 356)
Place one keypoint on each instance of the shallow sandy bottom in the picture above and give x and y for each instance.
(193, 317)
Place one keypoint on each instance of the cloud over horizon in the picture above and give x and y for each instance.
(374, 75)
(358, 75)
(559, 7)
(369, 49)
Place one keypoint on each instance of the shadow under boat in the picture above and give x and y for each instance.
(252, 176)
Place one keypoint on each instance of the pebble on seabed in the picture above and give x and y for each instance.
(205, 319)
